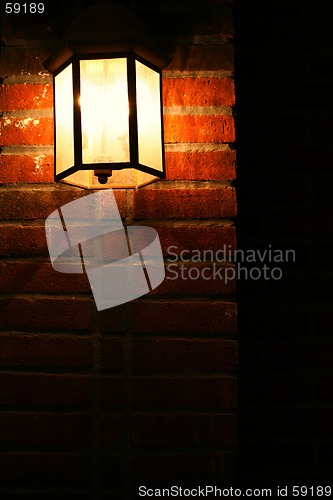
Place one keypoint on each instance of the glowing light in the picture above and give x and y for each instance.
(104, 111)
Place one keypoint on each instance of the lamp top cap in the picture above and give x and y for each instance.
(104, 28)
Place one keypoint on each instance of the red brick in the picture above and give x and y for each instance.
(111, 430)
(199, 128)
(162, 430)
(26, 131)
(201, 19)
(25, 204)
(112, 392)
(41, 389)
(17, 29)
(184, 355)
(45, 351)
(40, 277)
(112, 354)
(34, 203)
(26, 168)
(186, 57)
(158, 316)
(26, 96)
(114, 320)
(188, 466)
(23, 61)
(45, 428)
(111, 475)
(44, 469)
(198, 92)
(47, 313)
(195, 237)
(201, 203)
(201, 165)
(184, 393)
(22, 241)
(192, 279)
(225, 430)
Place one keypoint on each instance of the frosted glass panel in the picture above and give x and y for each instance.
(104, 111)
(149, 116)
(64, 119)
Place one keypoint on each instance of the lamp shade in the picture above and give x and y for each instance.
(108, 102)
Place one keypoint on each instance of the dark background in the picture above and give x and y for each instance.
(284, 118)
(284, 113)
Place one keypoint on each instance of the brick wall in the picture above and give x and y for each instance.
(284, 102)
(93, 404)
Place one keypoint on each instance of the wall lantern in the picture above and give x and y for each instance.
(108, 102)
